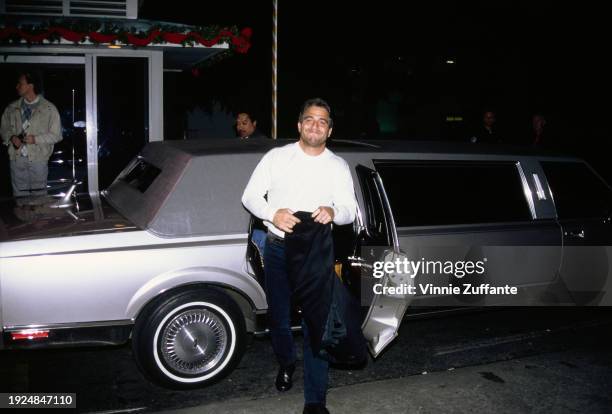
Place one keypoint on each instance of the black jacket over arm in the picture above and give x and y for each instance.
(330, 312)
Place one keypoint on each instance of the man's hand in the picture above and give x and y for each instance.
(16, 141)
(323, 215)
(29, 139)
(285, 220)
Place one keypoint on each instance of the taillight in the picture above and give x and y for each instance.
(29, 334)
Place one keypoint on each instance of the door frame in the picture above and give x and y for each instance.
(386, 311)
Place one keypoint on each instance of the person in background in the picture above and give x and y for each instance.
(30, 127)
(487, 133)
(539, 138)
(246, 126)
(246, 129)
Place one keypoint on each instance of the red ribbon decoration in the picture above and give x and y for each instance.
(241, 43)
(176, 38)
(101, 38)
(68, 34)
(35, 38)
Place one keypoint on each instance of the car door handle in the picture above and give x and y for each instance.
(367, 266)
(575, 234)
(359, 262)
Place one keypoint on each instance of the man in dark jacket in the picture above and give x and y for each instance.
(246, 126)
(488, 132)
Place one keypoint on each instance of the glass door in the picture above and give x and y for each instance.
(122, 98)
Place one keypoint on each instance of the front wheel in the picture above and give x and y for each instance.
(189, 339)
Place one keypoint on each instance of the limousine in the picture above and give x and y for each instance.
(165, 257)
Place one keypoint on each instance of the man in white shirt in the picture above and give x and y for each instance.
(302, 176)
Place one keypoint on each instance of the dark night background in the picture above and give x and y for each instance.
(383, 68)
(517, 58)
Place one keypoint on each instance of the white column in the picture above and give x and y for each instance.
(91, 109)
(156, 96)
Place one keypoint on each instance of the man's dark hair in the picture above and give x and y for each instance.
(316, 102)
(33, 78)
(249, 113)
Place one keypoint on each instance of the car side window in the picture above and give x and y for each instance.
(376, 222)
(430, 193)
(577, 191)
(142, 175)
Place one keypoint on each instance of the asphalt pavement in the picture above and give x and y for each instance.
(507, 360)
(560, 382)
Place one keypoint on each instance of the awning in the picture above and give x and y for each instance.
(183, 46)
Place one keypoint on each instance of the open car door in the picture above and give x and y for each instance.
(386, 292)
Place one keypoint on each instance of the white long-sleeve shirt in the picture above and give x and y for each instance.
(301, 182)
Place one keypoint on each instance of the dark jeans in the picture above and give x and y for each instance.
(278, 294)
(259, 238)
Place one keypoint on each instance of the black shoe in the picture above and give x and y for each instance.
(283, 378)
(315, 409)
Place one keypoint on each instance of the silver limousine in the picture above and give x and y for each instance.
(164, 258)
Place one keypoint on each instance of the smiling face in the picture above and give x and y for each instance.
(244, 125)
(314, 127)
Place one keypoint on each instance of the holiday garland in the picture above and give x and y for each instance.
(239, 41)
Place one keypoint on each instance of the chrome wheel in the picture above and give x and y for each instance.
(194, 341)
(189, 338)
